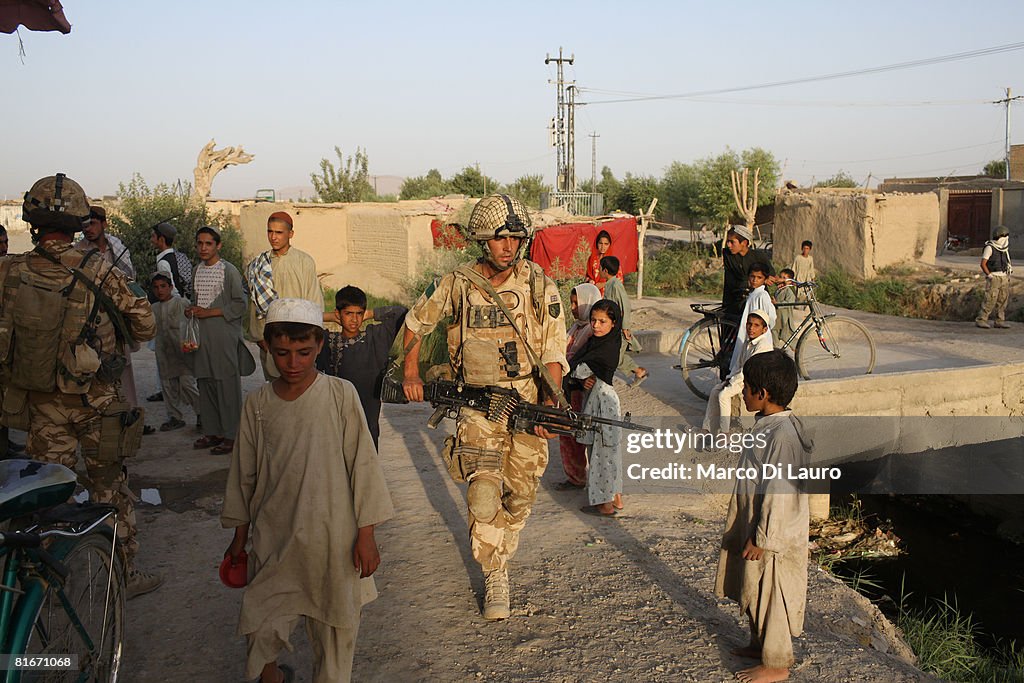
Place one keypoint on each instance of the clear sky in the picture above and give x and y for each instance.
(142, 86)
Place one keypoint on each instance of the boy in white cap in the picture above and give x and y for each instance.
(305, 480)
(759, 340)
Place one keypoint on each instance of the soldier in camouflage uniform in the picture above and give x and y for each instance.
(485, 349)
(62, 352)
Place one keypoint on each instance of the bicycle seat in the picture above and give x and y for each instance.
(30, 485)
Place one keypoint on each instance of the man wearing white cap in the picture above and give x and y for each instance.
(306, 481)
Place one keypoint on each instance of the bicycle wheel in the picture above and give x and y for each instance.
(701, 357)
(834, 348)
(94, 591)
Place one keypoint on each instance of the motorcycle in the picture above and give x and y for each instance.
(955, 243)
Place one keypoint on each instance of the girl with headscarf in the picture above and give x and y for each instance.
(574, 454)
(594, 367)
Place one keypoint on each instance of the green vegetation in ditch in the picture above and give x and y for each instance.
(945, 639)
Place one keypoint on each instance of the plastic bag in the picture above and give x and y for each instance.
(190, 340)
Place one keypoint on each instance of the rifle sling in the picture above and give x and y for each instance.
(485, 284)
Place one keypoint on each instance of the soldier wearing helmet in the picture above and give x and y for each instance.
(485, 349)
(995, 263)
(66, 318)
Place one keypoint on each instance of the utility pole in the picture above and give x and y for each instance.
(570, 148)
(1009, 98)
(593, 161)
(561, 173)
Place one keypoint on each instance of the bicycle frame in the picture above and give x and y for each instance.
(814, 317)
(27, 567)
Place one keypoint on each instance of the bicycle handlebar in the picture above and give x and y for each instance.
(20, 539)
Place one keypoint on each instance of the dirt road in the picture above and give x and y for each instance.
(592, 599)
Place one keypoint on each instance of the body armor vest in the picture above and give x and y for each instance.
(43, 323)
(484, 344)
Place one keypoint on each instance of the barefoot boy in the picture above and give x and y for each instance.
(306, 481)
(763, 563)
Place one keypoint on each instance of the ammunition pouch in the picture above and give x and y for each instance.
(121, 429)
(77, 365)
(464, 461)
(15, 409)
(112, 365)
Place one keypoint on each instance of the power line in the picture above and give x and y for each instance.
(984, 52)
(896, 158)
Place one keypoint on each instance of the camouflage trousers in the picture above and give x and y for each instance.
(58, 423)
(499, 500)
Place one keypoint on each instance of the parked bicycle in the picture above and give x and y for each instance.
(62, 595)
(826, 345)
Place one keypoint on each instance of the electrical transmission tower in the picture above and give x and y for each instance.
(563, 173)
(593, 161)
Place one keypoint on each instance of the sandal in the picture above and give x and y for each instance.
(206, 442)
(596, 510)
(568, 486)
(223, 448)
(638, 379)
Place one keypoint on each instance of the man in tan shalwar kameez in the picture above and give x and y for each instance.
(763, 562)
(306, 480)
(293, 276)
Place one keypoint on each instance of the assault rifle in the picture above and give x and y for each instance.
(504, 406)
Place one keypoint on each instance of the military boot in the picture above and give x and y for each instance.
(496, 601)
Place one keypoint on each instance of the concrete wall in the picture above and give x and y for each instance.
(1008, 210)
(915, 404)
(859, 232)
(372, 246)
(17, 229)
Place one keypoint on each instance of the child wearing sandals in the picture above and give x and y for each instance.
(593, 367)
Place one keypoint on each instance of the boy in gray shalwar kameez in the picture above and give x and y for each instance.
(763, 563)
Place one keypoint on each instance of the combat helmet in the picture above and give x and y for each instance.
(1000, 231)
(55, 203)
(498, 216)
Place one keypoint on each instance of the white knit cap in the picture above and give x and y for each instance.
(295, 311)
(742, 231)
(763, 315)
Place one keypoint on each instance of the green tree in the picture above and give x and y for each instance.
(143, 207)
(472, 183)
(840, 179)
(995, 169)
(714, 199)
(424, 186)
(637, 193)
(680, 186)
(611, 188)
(528, 189)
(349, 182)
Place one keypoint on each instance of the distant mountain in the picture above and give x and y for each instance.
(384, 184)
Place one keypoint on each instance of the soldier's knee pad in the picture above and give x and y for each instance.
(484, 498)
